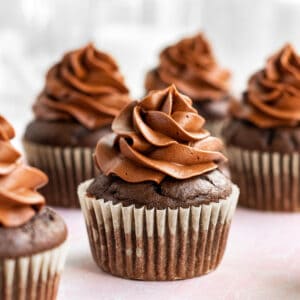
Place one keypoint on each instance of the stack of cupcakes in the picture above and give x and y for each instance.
(190, 65)
(82, 95)
(263, 137)
(159, 209)
(32, 236)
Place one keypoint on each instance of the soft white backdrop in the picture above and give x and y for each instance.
(35, 33)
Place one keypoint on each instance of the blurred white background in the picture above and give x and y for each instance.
(35, 33)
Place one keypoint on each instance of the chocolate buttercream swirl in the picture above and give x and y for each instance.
(160, 136)
(192, 67)
(273, 95)
(86, 86)
(19, 200)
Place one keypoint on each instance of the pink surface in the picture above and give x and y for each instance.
(262, 261)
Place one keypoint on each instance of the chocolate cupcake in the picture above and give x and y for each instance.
(82, 95)
(159, 209)
(190, 65)
(263, 137)
(32, 236)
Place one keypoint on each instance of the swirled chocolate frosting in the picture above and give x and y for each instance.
(160, 136)
(272, 98)
(19, 200)
(85, 86)
(192, 67)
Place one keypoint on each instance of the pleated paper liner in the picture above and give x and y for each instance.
(33, 277)
(66, 168)
(268, 181)
(152, 244)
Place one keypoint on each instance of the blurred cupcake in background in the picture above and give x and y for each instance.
(263, 136)
(82, 95)
(190, 65)
(32, 236)
(160, 209)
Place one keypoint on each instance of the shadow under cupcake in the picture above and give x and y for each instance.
(159, 209)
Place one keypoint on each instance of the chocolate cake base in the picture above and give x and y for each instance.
(243, 134)
(63, 133)
(32, 258)
(143, 243)
(170, 193)
(45, 231)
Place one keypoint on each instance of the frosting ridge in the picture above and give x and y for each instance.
(85, 85)
(160, 136)
(272, 98)
(19, 200)
(192, 67)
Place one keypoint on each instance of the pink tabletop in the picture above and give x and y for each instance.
(262, 261)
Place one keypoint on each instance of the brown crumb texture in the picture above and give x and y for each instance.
(172, 193)
(243, 134)
(45, 231)
(63, 133)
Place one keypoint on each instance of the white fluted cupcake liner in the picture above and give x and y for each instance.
(157, 244)
(33, 277)
(66, 168)
(267, 180)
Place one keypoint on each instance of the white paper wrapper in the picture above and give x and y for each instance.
(152, 244)
(33, 277)
(66, 168)
(268, 180)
